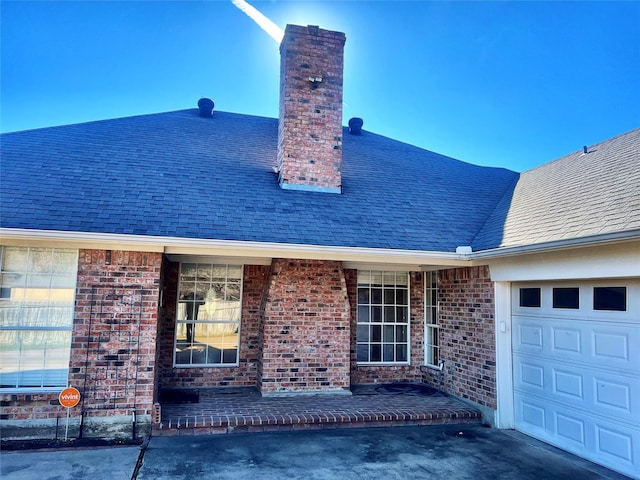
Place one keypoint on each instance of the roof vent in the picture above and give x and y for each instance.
(585, 149)
(206, 107)
(355, 126)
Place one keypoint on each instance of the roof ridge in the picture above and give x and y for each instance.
(593, 145)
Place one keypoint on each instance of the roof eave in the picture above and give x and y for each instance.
(591, 240)
(246, 252)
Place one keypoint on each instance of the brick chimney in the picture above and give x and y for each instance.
(310, 127)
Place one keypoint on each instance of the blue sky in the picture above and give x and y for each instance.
(510, 84)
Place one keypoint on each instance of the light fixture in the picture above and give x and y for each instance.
(315, 80)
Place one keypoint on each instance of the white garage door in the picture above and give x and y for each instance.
(576, 368)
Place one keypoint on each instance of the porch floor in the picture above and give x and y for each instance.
(234, 410)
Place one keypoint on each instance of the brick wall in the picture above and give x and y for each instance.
(310, 128)
(114, 335)
(245, 374)
(467, 336)
(114, 377)
(306, 330)
(363, 374)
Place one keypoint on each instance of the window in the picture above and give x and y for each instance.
(566, 297)
(529, 297)
(432, 328)
(383, 317)
(208, 314)
(37, 295)
(610, 298)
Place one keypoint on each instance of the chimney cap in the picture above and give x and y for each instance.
(355, 125)
(205, 105)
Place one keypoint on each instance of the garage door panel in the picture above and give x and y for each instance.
(593, 391)
(610, 345)
(599, 439)
(586, 342)
(576, 374)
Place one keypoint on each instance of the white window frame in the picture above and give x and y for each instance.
(211, 322)
(369, 343)
(431, 320)
(43, 296)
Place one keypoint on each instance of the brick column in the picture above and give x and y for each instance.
(114, 334)
(305, 329)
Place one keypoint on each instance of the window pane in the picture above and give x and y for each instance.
(387, 353)
(64, 262)
(363, 333)
(566, 297)
(610, 298)
(187, 290)
(376, 333)
(363, 314)
(529, 297)
(401, 353)
(402, 297)
(188, 272)
(388, 333)
(402, 314)
(401, 334)
(376, 296)
(364, 277)
(230, 356)
(376, 353)
(376, 314)
(199, 354)
(204, 273)
(234, 272)
(362, 353)
(14, 259)
(389, 278)
(363, 295)
(389, 297)
(39, 260)
(390, 314)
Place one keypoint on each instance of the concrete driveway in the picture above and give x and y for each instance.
(469, 452)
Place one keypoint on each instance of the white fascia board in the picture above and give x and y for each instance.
(614, 237)
(353, 257)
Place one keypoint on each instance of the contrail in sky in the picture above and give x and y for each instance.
(263, 22)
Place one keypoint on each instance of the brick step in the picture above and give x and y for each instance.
(203, 425)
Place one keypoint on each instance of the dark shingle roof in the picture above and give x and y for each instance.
(176, 174)
(578, 195)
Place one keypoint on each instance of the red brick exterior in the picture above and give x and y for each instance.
(299, 319)
(306, 339)
(122, 373)
(467, 336)
(245, 374)
(310, 128)
(363, 374)
(116, 377)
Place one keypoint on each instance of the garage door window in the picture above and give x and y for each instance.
(566, 297)
(529, 297)
(610, 298)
